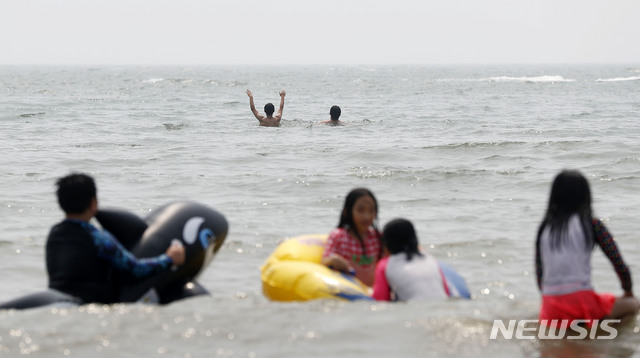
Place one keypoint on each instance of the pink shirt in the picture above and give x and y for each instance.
(381, 289)
(340, 242)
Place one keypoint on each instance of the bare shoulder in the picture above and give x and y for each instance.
(270, 122)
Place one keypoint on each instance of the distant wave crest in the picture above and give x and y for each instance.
(27, 115)
(535, 79)
(519, 79)
(619, 79)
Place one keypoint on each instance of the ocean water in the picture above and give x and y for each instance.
(465, 152)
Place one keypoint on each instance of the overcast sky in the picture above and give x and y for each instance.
(318, 31)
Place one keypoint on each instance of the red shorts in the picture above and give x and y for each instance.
(577, 305)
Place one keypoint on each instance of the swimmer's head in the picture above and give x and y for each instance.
(347, 219)
(335, 113)
(75, 193)
(269, 109)
(398, 236)
(570, 194)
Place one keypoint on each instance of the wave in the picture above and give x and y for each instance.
(512, 79)
(174, 126)
(475, 145)
(432, 174)
(196, 81)
(619, 79)
(27, 115)
(526, 79)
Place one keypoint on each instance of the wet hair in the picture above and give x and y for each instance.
(335, 113)
(269, 109)
(570, 194)
(398, 236)
(75, 192)
(346, 218)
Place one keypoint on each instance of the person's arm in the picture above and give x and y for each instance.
(111, 250)
(253, 107)
(329, 256)
(604, 239)
(381, 289)
(336, 262)
(279, 115)
(538, 265)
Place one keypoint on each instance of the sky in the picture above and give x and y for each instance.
(281, 32)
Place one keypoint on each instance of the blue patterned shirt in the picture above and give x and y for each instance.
(110, 249)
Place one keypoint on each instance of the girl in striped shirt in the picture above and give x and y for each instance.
(354, 246)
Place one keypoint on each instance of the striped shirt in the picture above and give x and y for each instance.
(340, 242)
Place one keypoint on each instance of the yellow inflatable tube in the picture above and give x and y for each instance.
(293, 272)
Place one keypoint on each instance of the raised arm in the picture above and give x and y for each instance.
(253, 107)
(279, 115)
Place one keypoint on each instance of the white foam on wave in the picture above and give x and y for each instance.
(153, 80)
(536, 79)
(619, 79)
(521, 79)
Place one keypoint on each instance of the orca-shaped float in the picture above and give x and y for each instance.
(200, 229)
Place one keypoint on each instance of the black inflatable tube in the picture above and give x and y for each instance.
(200, 229)
(42, 298)
(127, 227)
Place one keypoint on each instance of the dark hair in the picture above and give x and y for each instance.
(269, 109)
(346, 217)
(400, 236)
(75, 192)
(335, 112)
(570, 194)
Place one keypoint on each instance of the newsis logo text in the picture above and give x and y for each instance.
(554, 329)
